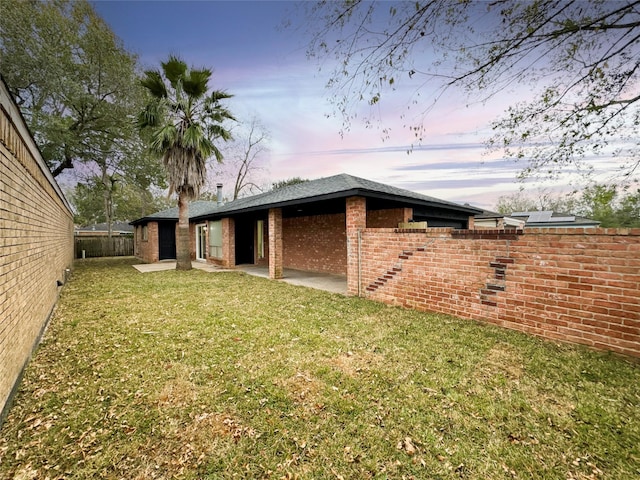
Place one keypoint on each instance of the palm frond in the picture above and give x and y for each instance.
(193, 137)
(164, 138)
(184, 121)
(195, 84)
(218, 131)
(218, 95)
(174, 70)
(153, 82)
(151, 115)
(186, 170)
(217, 153)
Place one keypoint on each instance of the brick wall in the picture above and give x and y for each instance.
(574, 285)
(36, 245)
(315, 243)
(147, 249)
(389, 218)
(275, 243)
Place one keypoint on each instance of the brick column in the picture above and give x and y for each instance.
(275, 243)
(153, 243)
(228, 242)
(471, 223)
(356, 208)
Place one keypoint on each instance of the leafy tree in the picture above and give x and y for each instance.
(72, 78)
(605, 203)
(580, 57)
(541, 200)
(628, 213)
(598, 202)
(286, 183)
(184, 120)
(610, 205)
(78, 89)
(128, 201)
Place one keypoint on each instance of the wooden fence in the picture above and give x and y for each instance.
(88, 247)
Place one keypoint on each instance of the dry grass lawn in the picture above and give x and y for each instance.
(222, 375)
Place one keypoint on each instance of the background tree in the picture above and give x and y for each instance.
(581, 57)
(629, 211)
(245, 159)
(78, 89)
(72, 78)
(538, 201)
(184, 120)
(609, 204)
(128, 202)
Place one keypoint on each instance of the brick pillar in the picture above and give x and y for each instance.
(153, 242)
(356, 208)
(228, 242)
(471, 225)
(407, 214)
(275, 243)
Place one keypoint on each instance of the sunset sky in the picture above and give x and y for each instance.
(266, 69)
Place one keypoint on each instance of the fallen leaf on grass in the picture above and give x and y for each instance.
(408, 446)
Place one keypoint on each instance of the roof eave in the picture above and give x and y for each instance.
(335, 195)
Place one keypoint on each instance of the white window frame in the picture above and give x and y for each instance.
(215, 238)
(201, 229)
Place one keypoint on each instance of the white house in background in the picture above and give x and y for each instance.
(537, 219)
(550, 219)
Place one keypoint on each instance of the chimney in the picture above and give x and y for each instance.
(219, 194)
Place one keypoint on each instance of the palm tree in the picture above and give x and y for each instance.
(184, 119)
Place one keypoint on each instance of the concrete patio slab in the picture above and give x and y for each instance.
(321, 281)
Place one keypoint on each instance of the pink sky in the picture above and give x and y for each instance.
(265, 67)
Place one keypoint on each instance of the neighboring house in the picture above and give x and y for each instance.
(537, 219)
(309, 226)
(102, 229)
(494, 220)
(549, 219)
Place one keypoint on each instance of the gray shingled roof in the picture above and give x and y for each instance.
(195, 208)
(337, 186)
(546, 218)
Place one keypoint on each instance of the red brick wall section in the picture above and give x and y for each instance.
(275, 243)
(147, 250)
(388, 218)
(315, 243)
(36, 246)
(228, 242)
(573, 285)
(356, 208)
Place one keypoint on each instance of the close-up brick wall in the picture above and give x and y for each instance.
(36, 245)
(388, 218)
(575, 285)
(315, 243)
(147, 249)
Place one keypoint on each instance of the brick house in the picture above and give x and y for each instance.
(579, 285)
(310, 226)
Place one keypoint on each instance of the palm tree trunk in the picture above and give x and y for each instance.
(183, 240)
